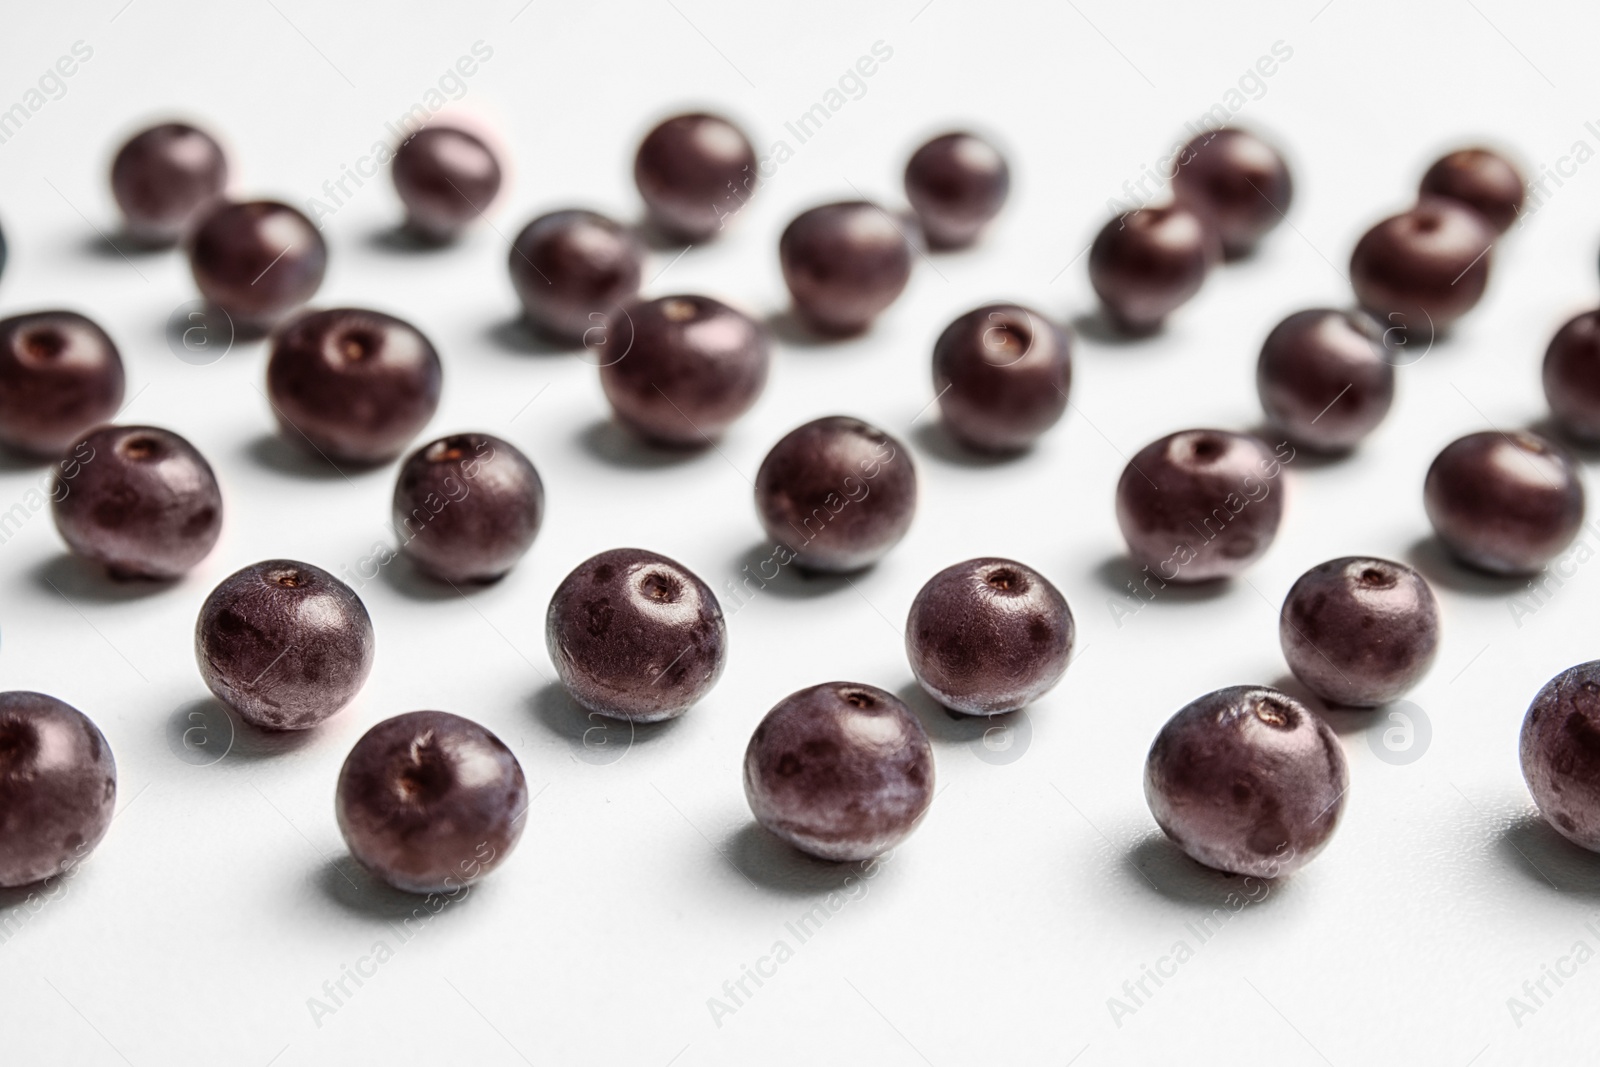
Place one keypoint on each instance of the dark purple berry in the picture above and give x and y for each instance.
(164, 177)
(430, 802)
(956, 183)
(139, 501)
(1001, 373)
(1507, 503)
(635, 635)
(60, 376)
(1237, 181)
(467, 507)
(352, 384)
(257, 261)
(1147, 263)
(1424, 268)
(1572, 376)
(1359, 631)
(837, 492)
(1201, 504)
(58, 787)
(841, 771)
(1325, 378)
(573, 269)
(1561, 753)
(1485, 181)
(1248, 781)
(688, 367)
(694, 171)
(988, 636)
(844, 264)
(284, 644)
(446, 179)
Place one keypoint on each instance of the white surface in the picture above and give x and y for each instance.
(218, 904)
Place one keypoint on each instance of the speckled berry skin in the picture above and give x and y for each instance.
(1248, 781)
(1201, 504)
(257, 261)
(988, 636)
(841, 771)
(467, 507)
(284, 644)
(956, 184)
(1572, 377)
(1145, 264)
(572, 270)
(1560, 751)
(690, 366)
(838, 493)
(60, 375)
(164, 177)
(1238, 181)
(446, 178)
(844, 264)
(1002, 374)
(1507, 503)
(1359, 631)
(635, 635)
(58, 787)
(1325, 378)
(431, 802)
(1484, 180)
(1424, 268)
(352, 384)
(140, 501)
(694, 172)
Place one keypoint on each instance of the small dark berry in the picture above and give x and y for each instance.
(1485, 181)
(164, 177)
(1424, 268)
(1504, 502)
(1325, 378)
(573, 269)
(956, 183)
(694, 172)
(446, 179)
(467, 507)
(1236, 180)
(58, 787)
(1001, 373)
(60, 376)
(257, 261)
(1145, 264)
(844, 264)
(1572, 376)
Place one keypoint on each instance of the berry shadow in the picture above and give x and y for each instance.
(610, 443)
(519, 337)
(1534, 849)
(1155, 863)
(407, 579)
(1117, 572)
(354, 889)
(935, 440)
(79, 579)
(771, 863)
(277, 453)
(658, 240)
(789, 581)
(1439, 567)
(13, 460)
(206, 732)
(1550, 430)
(1095, 327)
(1343, 720)
(120, 246)
(1304, 458)
(400, 238)
(945, 726)
(791, 330)
(595, 738)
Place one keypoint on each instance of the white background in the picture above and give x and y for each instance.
(222, 898)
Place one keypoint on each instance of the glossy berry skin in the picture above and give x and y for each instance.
(1424, 268)
(1359, 631)
(164, 177)
(430, 802)
(1201, 504)
(467, 507)
(1237, 181)
(956, 184)
(694, 172)
(140, 501)
(446, 179)
(1560, 751)
(257, 261)
(688, 367)
(60, 376)
(837, 492)
(1325, 379)
(284, 644)
(844, 264)
(841, 771)
(58, 787)
(572, 270)
(1485, 181)
(1147, 263)
(1507, 503)
(635, 635)
(1572, 376)
(1248, 781)
(1001, 373)
(988, 636)
(352, 384)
